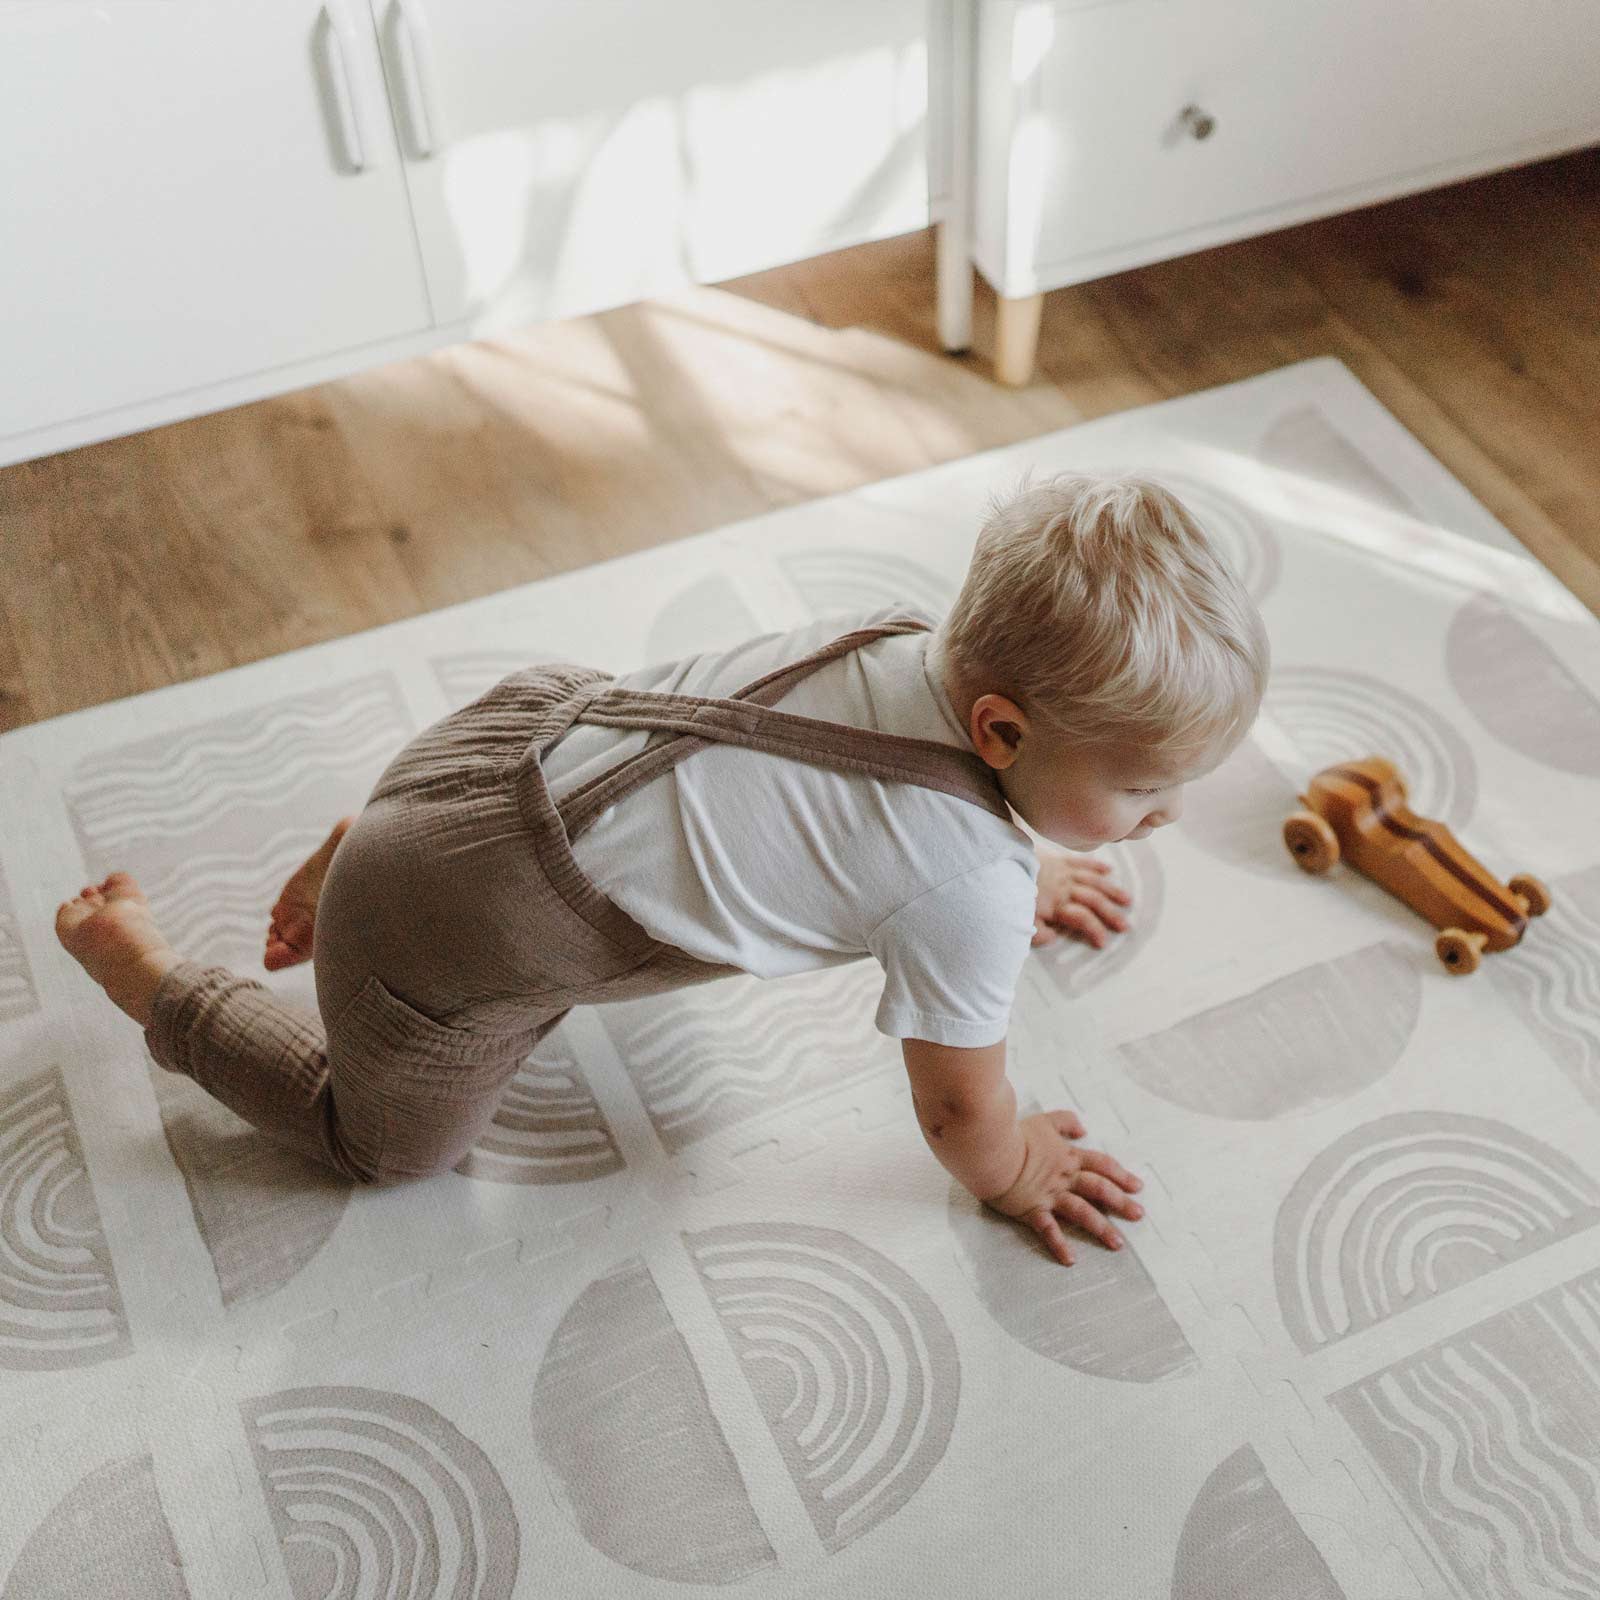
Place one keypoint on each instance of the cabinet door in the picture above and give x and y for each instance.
(568, 156)
(1114, 133)
(191, 190)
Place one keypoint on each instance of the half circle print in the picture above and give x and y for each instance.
(1105, 1317)
(1521, 690)
(374, 1493)
(1241, 1542)
(1333, 715)
(1411, 1205)
(1307, 1040)
(848, 1358)
(108, 1539)
(59, 1301)
(633, 1450)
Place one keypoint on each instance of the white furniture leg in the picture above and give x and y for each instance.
(1016, 338)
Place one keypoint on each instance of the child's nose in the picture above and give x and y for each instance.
(1169, 810)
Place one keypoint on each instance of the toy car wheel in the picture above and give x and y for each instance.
(1531, 890)
(1312, 843)
(1460, 952)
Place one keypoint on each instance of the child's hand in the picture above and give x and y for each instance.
(1077, 897)
(1059, 1179)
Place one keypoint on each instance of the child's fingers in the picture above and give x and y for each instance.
(1110, 1167)
(1102, 906)
(1048, 1229)
(1090, 1218)
(1105, 1193)
(1082, 922)
(1068, 1124)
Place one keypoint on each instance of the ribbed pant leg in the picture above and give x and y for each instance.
(266, 1063)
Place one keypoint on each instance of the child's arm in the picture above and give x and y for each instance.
(967, 1110)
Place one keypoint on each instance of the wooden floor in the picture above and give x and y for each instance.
(1472, 313)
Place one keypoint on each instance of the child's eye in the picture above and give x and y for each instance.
(1144, 791)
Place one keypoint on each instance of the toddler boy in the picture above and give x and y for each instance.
(807, 798)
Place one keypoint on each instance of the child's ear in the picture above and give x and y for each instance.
(998, 727)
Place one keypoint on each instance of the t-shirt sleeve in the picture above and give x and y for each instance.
(951, 957)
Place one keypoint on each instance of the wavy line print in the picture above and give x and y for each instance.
(703, 1064)
(1521, 690)
(18, 997)
(1353, 1237)
(1492, 1441)
(848, 1358)
(377, 1493)
(17, 994)
(241, 752)
(1553, 980)
(464, 676)
(60, 1305)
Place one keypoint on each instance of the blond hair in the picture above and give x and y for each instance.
(1099, 604)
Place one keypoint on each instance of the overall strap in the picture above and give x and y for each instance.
(748, 718)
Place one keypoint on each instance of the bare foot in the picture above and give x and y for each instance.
(294, 917)
(109, 931)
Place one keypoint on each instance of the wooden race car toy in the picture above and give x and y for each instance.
(1357, 811)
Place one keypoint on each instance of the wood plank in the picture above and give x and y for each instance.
(1469, 312)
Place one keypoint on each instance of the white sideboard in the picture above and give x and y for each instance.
(207, 201)
(203, 202)
(1113, 133)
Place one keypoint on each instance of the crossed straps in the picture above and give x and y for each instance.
(748, 718)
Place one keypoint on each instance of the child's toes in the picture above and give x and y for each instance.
(122, 886)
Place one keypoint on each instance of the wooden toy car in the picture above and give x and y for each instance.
(1357, 811)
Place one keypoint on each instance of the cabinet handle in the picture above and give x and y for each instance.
(341, 33)
(415, 48)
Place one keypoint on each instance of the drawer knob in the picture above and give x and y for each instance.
(1197, 123)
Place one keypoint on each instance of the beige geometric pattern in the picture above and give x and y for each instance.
(700, 1311)
(60, 1305)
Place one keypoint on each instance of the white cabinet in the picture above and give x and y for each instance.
(182, 199)
(1118, 133)
(564, 157)
(207, 201)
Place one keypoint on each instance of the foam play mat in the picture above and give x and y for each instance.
(701, 1313)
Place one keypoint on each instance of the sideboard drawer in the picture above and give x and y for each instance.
(1131, 122)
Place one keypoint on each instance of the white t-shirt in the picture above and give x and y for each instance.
(775, 866)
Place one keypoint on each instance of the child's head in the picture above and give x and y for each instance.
(1102, 654)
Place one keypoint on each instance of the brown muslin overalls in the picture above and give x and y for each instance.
(455, 928)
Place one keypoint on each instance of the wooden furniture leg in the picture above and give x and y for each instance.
(1016, 338)
(954, 263)
(954, 270)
